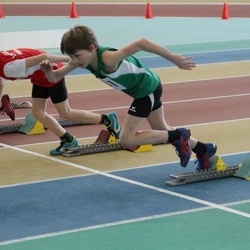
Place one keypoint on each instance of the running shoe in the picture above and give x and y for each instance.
(203, 161)
(7, 108)
(114, 127)
(64, 146)
(182, 146)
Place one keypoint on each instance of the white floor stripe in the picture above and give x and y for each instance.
(9, 41)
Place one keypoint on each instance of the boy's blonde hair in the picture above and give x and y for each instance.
(78, 38)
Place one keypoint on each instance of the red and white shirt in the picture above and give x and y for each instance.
(13, 67)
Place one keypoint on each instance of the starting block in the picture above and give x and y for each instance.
(28, 124)
(105, 142)
(142, 148)
(92, 148)
(216, 163)
(217, 169)
(31, 126)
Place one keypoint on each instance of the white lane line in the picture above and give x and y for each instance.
(207, 98)
(186, 197)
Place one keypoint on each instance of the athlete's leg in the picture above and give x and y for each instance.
(130, 136)
(86, 117)
(40, 96)
(48, 121)
(157, 120)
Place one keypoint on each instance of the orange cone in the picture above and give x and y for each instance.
(1, 12)
(73, 13)
(225, 14)
(148, 11)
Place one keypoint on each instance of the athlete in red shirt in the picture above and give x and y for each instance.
(24, 63)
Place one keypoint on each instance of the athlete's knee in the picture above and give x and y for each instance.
(66, 114)
(37, 114)
(63, 116)
(126, 140)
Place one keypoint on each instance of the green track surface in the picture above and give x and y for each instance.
(207, 229)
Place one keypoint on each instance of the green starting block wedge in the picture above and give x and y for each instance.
(244, 170)
(31, 126)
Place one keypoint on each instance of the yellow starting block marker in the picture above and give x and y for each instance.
(144, 148)
(220, 165)
(37, 129)
(112, 139)
(31, 126)
(216, 163)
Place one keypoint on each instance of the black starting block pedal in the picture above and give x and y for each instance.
(196, 176)
(92, 148)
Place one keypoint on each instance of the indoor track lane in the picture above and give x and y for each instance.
(73, 199)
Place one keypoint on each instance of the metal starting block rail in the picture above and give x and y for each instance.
(196, 176)
(12, 128)
(93, 148)
(103, 147)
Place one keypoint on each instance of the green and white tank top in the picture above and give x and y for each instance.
(131, 76)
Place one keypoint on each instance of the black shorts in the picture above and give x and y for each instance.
(57, 93)
(142, 107)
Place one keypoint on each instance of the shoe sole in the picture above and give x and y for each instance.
(56, 152)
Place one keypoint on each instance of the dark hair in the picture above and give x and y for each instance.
(78, 38)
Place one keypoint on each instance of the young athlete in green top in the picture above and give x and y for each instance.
(122, 71)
